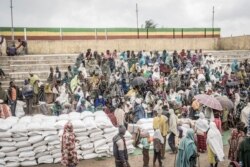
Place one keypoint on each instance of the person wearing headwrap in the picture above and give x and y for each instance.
(67, 108)
(66, 78)
(214, 145)
(168, 60)
(161, 122)
(139, 111)
(201, 127)
(68, 147)
(237, 135)
(187, 151)
(120, 149)
(234, 66)
(99, 101)
(57, 108)
(158, 142)
(173, 130)
(81, 108)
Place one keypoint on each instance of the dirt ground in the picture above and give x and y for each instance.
(136, 161)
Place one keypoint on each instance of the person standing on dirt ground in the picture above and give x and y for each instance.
(120, 149)
(173, 130)
(158, 141)
(24, 45)
(13, 93)
(161, 122)
(145, 141)
(68, 146)
(27, 92)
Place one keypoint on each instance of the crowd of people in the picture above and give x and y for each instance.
(131, 86)
(12, 49)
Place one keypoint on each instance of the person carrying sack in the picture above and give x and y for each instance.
(120, 149)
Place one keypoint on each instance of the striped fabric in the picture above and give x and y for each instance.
(108, 33)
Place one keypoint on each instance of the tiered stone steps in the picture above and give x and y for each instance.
(18, 68)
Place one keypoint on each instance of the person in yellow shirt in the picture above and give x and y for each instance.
(161, 122)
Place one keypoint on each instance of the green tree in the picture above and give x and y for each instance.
(150, 24)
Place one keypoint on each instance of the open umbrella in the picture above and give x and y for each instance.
(225, 102)
(137, 81)
(209, 101)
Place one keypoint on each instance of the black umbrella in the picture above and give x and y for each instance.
(138, 81)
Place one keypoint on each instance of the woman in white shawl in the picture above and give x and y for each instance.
(150, 98)
(173, 120)
(214, 145)
(158, 142)
(83, 70)
(156, 74)
(172, 95)
(201, 127)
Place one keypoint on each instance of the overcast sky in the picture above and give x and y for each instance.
(232, 16)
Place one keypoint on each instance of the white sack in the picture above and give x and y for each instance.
(35, 139)
(12, 164)
(27, 154)
(74, 116)
(22, 144)
(60, 124)
(7, 149)
(25, 149)
(45, 159)
(87, 146)
(29, 163)
(99, 143)
(90, 156)
(84, 152)
(86, 114)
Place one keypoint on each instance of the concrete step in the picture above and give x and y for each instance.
(51, 61)
(40, 57)
(6, 71)
(39, 67)
(4, 63)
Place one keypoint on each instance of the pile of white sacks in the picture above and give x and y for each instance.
(146, 125)
(33, 140)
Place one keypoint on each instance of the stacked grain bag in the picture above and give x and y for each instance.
(33, 140)
(86, 145)
(146, 124)
(8, 151)
(102, 145)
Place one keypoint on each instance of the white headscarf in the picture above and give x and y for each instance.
(157, 135)
(214, 140)
(202, 124)
(173, 122)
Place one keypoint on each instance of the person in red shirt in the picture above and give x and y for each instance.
(182, 55)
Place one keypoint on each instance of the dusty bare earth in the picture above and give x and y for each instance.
(136, 161)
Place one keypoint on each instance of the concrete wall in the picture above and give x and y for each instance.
(234, 43)
(76, 46)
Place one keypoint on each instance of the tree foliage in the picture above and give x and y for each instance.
(150, 24)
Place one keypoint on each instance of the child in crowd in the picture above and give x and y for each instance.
(145, 141)
(158, 142)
